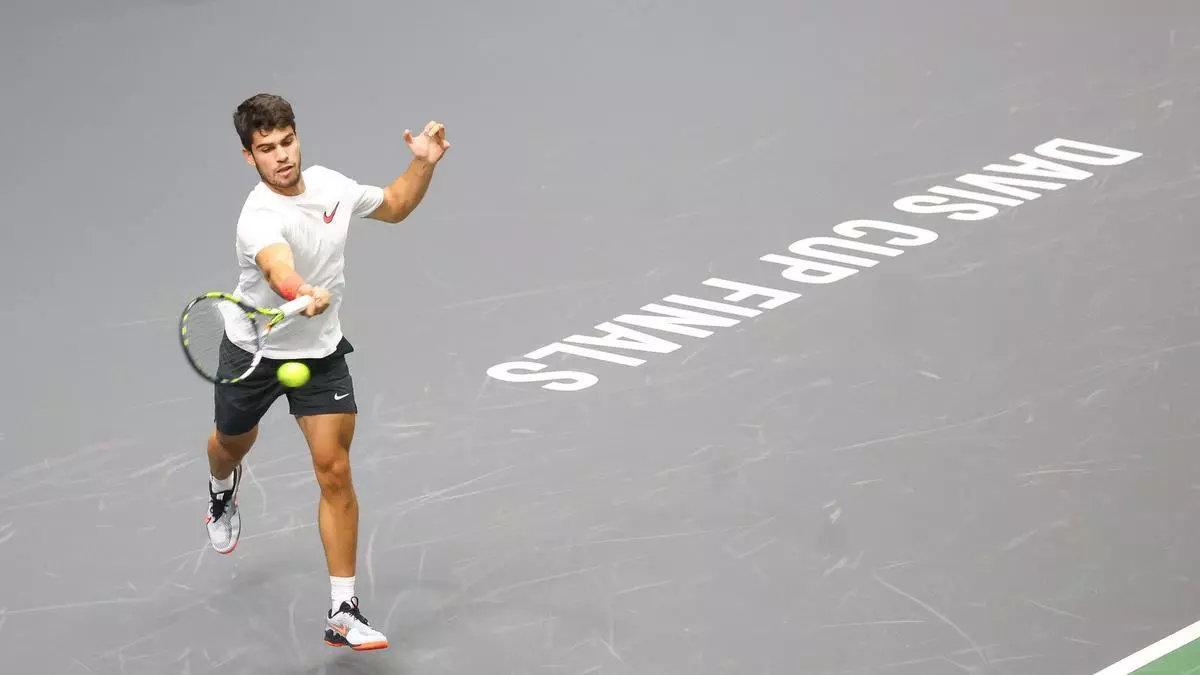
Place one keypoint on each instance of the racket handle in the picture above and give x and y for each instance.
(296, 306)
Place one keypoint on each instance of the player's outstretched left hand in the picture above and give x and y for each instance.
(430, 145)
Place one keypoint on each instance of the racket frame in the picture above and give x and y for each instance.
(276, 314)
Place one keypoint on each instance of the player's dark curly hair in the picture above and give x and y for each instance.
(262, 112)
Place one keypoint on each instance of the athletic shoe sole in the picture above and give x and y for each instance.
(333, 639)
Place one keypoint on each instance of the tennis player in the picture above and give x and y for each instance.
(291, 237)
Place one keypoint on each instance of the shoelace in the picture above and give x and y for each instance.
(218, 503)
(353, 611)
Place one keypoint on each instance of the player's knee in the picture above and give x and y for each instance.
(333, 475)
(236, 446)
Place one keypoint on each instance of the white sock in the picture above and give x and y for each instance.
(341, 590)
(221, 484)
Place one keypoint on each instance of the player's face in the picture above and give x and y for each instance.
(275, 154)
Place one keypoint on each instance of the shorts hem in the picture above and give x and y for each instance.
(226, 432)
(323, 410)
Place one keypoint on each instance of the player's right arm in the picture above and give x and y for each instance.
(279, 269)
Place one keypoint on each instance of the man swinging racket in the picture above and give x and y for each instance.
(291, 237)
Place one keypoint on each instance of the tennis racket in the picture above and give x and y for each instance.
(210, 317)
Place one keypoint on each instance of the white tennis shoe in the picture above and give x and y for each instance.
(223, 520)
(348, 628)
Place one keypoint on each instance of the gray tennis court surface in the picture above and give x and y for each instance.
(976, 457)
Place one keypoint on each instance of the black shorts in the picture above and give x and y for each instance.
(240, 406)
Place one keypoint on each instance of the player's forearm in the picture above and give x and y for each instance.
(285, 281)
(406, 192)
(278, 268)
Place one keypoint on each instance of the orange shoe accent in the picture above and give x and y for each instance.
(368, 646)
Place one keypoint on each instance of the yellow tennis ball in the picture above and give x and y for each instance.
(293, 374)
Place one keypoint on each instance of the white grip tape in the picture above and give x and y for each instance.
(296, 306)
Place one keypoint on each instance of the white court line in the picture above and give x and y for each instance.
(1154, 652)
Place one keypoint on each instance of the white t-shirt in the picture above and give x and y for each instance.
(314, 224)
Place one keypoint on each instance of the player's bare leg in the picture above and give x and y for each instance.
(329, 437)
(225, 453)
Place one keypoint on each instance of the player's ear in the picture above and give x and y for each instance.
(249, 156)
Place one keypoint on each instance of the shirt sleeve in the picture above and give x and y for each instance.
(367, 198)
(257, 230)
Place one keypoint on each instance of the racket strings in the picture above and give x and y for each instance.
(206, 328)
